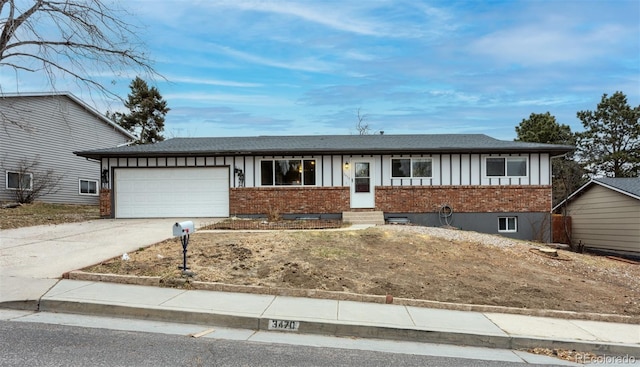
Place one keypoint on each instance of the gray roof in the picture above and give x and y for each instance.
(628, 186)
(327, 144)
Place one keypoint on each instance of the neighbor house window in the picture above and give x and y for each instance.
(506, 166)
(288, 172)
(19, 181)
(88, 187)
(508, 224)
(411, 167)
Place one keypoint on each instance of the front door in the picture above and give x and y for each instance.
(362, 183)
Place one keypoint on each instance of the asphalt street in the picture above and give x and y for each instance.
(26, 339)
(37, 344)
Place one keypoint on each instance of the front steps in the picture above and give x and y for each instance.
(375, 218)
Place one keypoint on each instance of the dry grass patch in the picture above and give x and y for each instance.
(35, 214)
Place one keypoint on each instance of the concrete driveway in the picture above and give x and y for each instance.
(32, 259)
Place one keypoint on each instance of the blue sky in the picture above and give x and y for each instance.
(239, 68)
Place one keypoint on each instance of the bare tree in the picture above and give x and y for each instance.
(70, 38)
(362, 126)
(30, 182)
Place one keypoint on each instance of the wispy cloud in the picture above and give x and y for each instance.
(226, 121)
(309, 64)
(386, 18)
(545, 37)
(531, 45)
(228, 98)
(332, 15)
(208, 81)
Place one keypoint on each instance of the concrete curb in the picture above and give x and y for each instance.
(26, 305)
(343, 296)
(334, 329)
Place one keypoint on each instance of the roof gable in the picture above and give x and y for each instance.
(629, 186)
(80, 103)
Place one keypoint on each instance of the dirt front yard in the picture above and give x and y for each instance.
(404, 261)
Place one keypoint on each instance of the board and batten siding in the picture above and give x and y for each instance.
(606, 219)
(448, 169)
(54, 127)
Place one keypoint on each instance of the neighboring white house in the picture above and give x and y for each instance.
(605, 214)
(46, 128)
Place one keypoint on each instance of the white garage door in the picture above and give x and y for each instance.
(171, 192)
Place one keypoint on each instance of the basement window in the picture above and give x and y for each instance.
(507, 224)
(288, 172)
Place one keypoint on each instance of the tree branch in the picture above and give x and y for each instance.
(82, 31)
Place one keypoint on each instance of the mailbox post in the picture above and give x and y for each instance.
(183, 230)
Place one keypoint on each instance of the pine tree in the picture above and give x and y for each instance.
(543, 128)
(147, 113)
(610, 144)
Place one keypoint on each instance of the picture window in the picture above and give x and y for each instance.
(288, 172)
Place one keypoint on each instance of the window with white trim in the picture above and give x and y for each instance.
(19, 181)
(288, 172)
(507, 224)
(506, 166)
(411, 168)
(88, 187)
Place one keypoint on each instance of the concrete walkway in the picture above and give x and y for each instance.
(33, 259)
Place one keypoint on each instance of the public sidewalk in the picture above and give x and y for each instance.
(340, 318)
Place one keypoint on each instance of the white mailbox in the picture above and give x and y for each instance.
(183, 228)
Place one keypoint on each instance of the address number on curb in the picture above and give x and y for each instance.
(284, 325)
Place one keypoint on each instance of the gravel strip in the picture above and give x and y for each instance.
(458, 235)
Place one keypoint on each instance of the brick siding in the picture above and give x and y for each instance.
(288, 200)
(464, 199)
(391, 199)
(105, 203)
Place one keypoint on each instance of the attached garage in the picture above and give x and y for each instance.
(171, 192)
